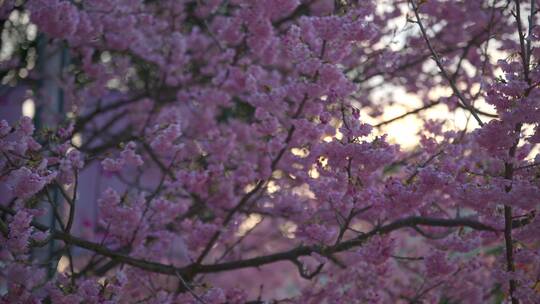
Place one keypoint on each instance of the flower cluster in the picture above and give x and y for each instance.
(174, 145)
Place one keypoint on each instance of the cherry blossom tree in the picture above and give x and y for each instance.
(237, 151)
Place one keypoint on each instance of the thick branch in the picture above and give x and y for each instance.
(346, 245)
(289, 255)
(509, 166)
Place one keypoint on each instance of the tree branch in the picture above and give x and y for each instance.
(193, 269)
(437, 59)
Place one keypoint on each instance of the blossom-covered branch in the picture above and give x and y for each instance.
(239, 151)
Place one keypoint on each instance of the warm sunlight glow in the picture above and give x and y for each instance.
(29, 108)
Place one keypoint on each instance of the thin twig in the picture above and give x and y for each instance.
(191, 291)
(442, 69)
